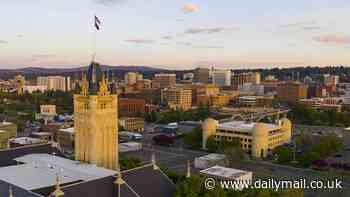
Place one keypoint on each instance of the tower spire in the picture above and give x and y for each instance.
(103, 86)
(84, 86)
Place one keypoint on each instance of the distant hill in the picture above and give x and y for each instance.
(32, 72)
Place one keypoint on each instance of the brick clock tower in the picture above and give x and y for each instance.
(96, 121)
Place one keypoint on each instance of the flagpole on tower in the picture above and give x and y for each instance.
(96, 27)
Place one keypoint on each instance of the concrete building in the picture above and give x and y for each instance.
(177, 98)
(291, 91)
(164, 80)
(55, 83)
(255, 101)
(30, 88)
(7, 131)
(65, 137)
(132, 124)
(131, 78)
(221, 77)
(132, 107)
(243, 78)
(257, 139)
(20, 83)
(324, 103)
(96, 121)
(201, 75)
(210, 160)
(250, 88)
(241, 177)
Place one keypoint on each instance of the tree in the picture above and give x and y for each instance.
(129, 163)
(234, 154)
(194, 138)
(284, 154)
(263, 193)
(192, 187)
(212, 145)
(306, 159)
(292, 193)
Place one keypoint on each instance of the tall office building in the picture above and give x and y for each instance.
(243, 78)
(201, 75)
(164, 80)
(96, 121)
(291, 91)
(221, 77)
(177, 98)
(55, 83)
(131, 78)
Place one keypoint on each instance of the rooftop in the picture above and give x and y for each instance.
(5, 123)
(41, 170)
(68, 130)
(212, 156)
(25, 140)
(243, 126)
(224, 172)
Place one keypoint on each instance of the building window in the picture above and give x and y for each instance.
(86, 106)
(103, 106)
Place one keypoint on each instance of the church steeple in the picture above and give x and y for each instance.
(94, 77)
(103, 87)
(84, 86)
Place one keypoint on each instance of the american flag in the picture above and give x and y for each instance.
(97, 23)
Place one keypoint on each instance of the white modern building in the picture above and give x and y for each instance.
(221, 77)
(242, 178)
(55, 83)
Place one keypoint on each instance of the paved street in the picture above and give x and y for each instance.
(176, 159)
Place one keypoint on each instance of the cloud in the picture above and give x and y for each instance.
(140, 41)
(43, 56)
(333, 39)
(209, 30)
(167, 37)
(180, 20)
(190, 8)
(310, 28)
(110, 2)
(3, 42)
(299, 24)
(184, 43)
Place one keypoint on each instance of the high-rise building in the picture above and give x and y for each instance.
(221, 77)
(131, 78)
(164, 80)
(55, 83)
(132, 107)
(201, 75)
(96, 121)
(291, 91)
(243, 78)
(177, 97)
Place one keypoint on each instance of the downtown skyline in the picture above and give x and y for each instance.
(226, 34)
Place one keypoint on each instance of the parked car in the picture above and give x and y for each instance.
(164, 140)
(126, 136)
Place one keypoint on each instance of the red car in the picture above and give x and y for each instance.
(165, 140)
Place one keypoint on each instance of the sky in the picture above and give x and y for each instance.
(175, 33)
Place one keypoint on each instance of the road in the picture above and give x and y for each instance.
(176, 159)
